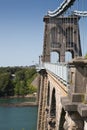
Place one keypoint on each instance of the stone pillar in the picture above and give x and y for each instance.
(73, 121)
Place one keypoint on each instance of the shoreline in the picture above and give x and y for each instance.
(20, 104)
(23, 104)
(19, 96)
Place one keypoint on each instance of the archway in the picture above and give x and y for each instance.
(52, 120)
(54, 57)
(48, 94)
(68, 56)
(53, 105)
(62, 119)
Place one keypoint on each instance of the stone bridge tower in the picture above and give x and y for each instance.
(61, 34)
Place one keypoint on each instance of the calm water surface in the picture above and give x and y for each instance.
(18, 118)
(17, 100)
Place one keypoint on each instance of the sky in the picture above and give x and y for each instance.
(22, 30)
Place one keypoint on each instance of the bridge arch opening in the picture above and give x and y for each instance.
(48, 94)
(53, 105)
(55, 58)
(62, 119)
(52, 120)
(68, 56)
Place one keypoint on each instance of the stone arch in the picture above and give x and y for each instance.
(62, 119)
(68, 56)
(61, 35)
(48, 94)
(53, 104)
(55, 57)
(52, 119)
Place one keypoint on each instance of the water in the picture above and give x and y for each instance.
(18, 118)
(17, 100)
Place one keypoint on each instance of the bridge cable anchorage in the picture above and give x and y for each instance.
(63, 7)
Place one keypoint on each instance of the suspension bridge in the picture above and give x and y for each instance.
(63, 85)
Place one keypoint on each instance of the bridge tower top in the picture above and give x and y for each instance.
(61, 34)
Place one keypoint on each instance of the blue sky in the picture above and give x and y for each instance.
(22, 30)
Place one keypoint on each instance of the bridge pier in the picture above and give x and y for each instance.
(42, 115)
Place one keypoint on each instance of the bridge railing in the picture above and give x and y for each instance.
(60, 70)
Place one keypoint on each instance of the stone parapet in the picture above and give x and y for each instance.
(75, 104)
(76, 97)
(68, 105)
(82, 109)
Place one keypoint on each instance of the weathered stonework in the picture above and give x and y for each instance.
(63, 107)
(73, 121)
(76, 101)
(61, 34)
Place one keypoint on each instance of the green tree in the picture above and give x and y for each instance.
(5, 84)
(32, 89)
(16, 80)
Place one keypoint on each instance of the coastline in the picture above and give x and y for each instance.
(19, 96)
(21, 104)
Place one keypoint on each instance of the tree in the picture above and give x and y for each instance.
(5, 84)
(20, 83)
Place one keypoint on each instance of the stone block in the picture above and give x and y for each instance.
(76, 97)
(67, 105)
(86, 98)
(82, 109)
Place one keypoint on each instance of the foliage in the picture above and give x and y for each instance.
(5, 84)
(17, 80)
(86, 56)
